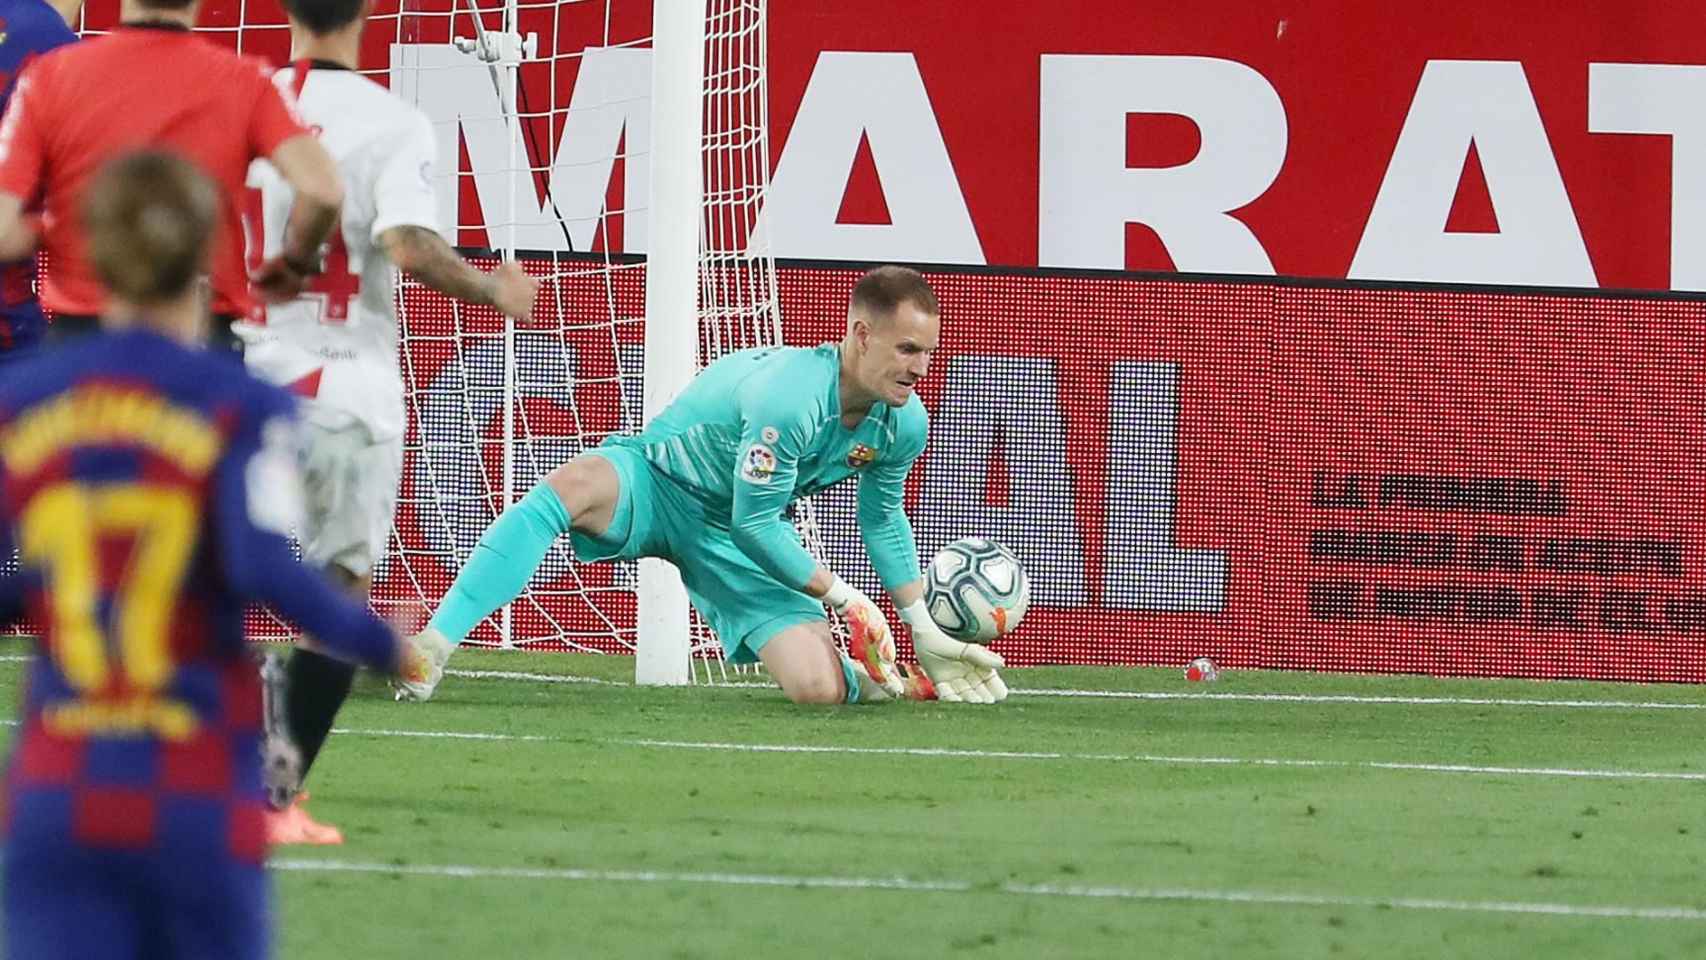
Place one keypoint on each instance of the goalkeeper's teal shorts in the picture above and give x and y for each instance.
(656, 517)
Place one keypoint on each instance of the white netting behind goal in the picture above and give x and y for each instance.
(494, 407)
(555, 168)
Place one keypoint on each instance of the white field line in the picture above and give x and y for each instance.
(1591, 774)
(958, 754)
(1136, 894)
(537, 677)
(1353, 698)
(453, 735)
(1142, 695)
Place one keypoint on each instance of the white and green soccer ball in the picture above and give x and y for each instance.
(976, 590)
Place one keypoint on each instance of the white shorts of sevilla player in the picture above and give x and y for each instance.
(350, 491)
(351, 442)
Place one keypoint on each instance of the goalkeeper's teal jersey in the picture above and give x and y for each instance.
(761, 428)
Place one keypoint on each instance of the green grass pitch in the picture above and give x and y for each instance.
(524, 818)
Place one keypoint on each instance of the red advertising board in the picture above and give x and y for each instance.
(1522, 143)
(1490, 484)
(1280, 475)
(1427, 481)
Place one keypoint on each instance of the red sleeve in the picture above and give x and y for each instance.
(273, 118)
(22, 143)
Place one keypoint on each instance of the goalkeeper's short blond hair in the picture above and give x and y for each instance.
(880, 292)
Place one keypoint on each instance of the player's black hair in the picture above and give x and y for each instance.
(148, 217)
(324, 16)
(879, 292)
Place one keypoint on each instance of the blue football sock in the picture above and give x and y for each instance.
(852, 677)
(502, 562)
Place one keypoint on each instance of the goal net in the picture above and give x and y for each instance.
(548, 152)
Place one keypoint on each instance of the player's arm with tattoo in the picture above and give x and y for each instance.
(424, 255)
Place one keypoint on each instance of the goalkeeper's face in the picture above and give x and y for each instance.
(895, 352)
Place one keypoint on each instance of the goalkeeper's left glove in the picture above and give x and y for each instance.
(872, 642)
(960, 671)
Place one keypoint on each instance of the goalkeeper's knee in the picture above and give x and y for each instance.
(818, 688)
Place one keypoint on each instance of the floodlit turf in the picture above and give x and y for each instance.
(1051, 826)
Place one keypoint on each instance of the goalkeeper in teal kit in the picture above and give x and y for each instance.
(706, 484)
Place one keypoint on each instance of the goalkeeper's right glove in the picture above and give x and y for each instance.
(872, 643)
(960, 671)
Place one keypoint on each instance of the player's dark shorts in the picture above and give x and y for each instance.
(21, 322)
(21, 329)
(79, 903)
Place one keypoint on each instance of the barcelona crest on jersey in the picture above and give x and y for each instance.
(860, 456)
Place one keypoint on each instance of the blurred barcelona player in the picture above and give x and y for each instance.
(27, 28)
(148, 485)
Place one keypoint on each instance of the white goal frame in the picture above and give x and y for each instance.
(663, 645)
(664, 649)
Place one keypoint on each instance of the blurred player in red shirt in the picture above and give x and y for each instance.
(152, 83)
(149, 487)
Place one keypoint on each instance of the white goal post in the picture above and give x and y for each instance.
(663, 647)
(710, 175)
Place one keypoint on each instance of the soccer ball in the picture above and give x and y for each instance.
(976, 591)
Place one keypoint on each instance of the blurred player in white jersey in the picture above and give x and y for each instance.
(336, 346)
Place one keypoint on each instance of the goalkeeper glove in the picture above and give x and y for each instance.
(871, 642)
(960, 671)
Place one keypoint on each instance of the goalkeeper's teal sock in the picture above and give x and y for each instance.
(502, 562)
(852, 677)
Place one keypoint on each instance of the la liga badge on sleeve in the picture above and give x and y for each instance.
(758, 465)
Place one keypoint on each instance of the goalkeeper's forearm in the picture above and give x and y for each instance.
(820, 583)
(907, 594)
(823, 580)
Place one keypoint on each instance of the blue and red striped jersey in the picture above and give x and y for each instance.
(148, 488)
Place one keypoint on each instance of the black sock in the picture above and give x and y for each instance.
(318, 687)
